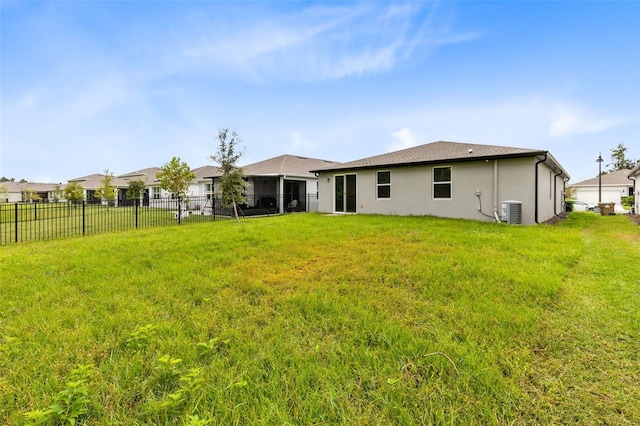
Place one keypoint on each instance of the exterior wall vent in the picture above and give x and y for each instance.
(512, 212)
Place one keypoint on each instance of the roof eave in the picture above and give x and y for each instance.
(440, 161)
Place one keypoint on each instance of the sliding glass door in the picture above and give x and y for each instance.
(345, 193)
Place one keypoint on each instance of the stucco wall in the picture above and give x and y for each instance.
(473, 190)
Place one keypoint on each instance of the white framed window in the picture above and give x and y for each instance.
(155, 192)
(442, 183)
(383, 184)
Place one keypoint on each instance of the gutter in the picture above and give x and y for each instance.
(346, 166)
(536, 187)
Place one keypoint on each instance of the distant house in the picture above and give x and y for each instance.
(29, 191)
(613, 186)
(634, 176)
(282, 183)
(448, 179)
(91, 183)
(151, 182)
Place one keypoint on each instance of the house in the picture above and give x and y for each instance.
(29, 191)
(152, 185)
(91, 183)
(278, 184)
(633, 176)
(448, 179)
(612, 187)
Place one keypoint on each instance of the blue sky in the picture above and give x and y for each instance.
(124, 85)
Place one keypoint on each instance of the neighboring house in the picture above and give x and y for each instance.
(282, 183)
(448, 179)
(613, 186)
(634, 176)
(91, 183)
(29, 191)
(204, 181)
(152, 184)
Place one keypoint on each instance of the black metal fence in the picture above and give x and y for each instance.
(44, 221)
(24, 221)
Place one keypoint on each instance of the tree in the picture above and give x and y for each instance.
(232, 181)
(108, 191)
(74, 192)
(30, 195)
(56, 194)
(4, 193)
(135, 189)
(619, 160)
(175, 177)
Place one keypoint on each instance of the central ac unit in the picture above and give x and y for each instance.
(512, 211)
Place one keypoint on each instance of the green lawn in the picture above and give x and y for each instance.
(313, 319)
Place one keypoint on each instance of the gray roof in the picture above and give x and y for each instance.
(34, 186)
(436, 152)
(283, 165)
(617, 178)
(147, 175)
(95, 181)
(206, 172)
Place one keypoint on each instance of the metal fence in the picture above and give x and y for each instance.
(21, 222)
(24, 221)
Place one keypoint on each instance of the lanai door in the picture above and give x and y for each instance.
(345, 193)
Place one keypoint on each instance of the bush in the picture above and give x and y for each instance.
(627, 202)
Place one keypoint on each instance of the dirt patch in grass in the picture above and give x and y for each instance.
(556, 219)
(635, 218)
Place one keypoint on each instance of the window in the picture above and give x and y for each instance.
(383, 184)
(442, 183)
(156, 192)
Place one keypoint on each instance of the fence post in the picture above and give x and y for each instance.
(137, 205)
(83, 217)
(35, 211)
(16, 221)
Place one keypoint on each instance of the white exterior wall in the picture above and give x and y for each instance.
(610, 193)
(412, 190)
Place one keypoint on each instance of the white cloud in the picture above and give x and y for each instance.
(404, 138)
(322, 43)
(566, 122)
(298, 142)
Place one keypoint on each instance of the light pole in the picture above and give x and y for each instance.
(599, 161)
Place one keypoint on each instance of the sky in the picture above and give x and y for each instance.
(89, 86)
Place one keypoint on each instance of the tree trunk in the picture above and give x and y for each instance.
(235, 210)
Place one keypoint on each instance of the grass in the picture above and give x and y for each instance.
(312, 319)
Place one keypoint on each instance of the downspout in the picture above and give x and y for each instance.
(555, 192)
(635, 201)
(495, 191)
(536, 187)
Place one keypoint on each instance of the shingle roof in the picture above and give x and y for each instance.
(283, 165)
(619, 177)
(435, 152)
(35, 186)
(206, 172)
(95, 181)
(147, 175)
